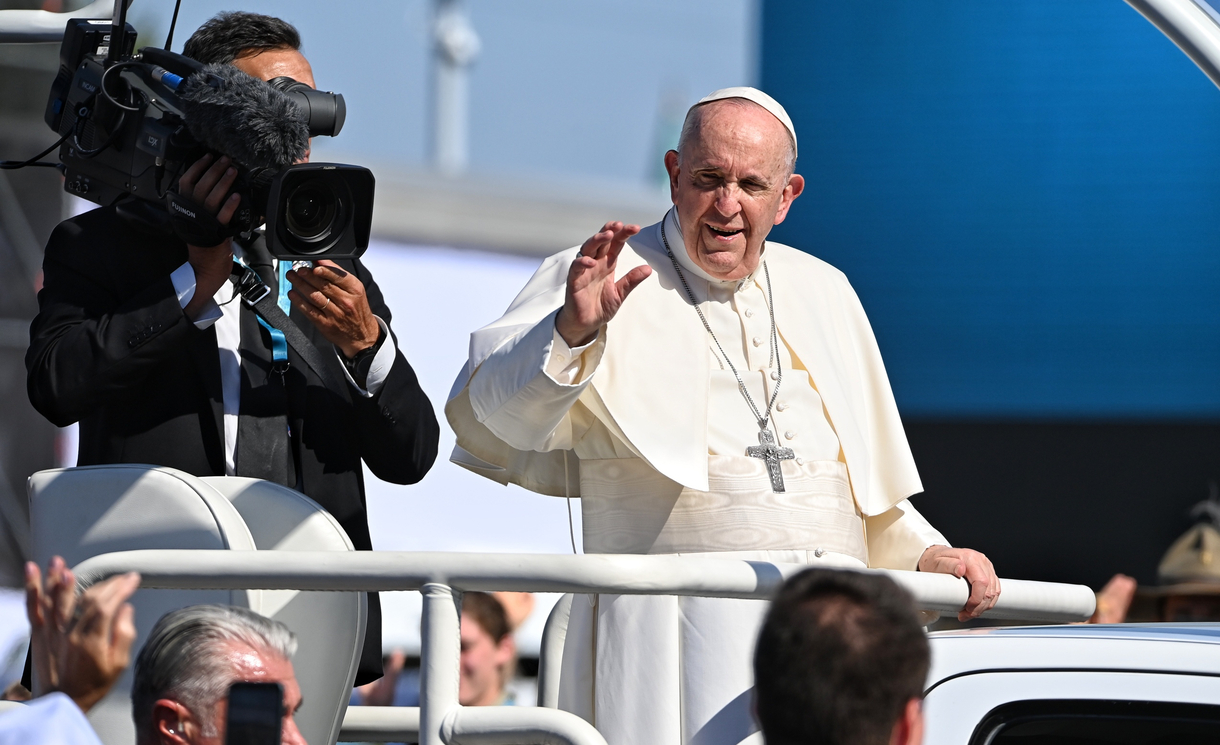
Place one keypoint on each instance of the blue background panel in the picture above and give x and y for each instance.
(1025, 195)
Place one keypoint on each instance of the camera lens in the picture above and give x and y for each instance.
(311, 212)
(324, 111)
(319, 209)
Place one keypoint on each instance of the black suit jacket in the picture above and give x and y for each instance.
(112, 349)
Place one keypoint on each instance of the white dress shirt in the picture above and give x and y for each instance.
(223, 312)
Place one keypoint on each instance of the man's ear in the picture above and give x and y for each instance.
(908, 730)
(796, 185)
(172, 723)
(506, 650)
(671, 167)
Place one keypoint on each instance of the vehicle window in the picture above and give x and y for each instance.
(1078, 722)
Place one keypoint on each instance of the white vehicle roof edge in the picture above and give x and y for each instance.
(1193, 26)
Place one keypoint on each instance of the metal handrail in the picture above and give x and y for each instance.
(380, 724)
(621, 574)
(441, 576)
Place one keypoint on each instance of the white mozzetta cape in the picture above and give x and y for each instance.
(651, 385)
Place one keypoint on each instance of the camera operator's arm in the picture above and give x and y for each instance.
(208, 183)
(396, 424)
(109, 311)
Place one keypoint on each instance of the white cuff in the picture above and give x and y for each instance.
(380, 369)
(563, 363)
(898, 537)
(184, 287)
(514, 395)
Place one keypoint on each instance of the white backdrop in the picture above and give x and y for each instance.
(438, 296)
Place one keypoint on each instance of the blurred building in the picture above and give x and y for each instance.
(30, 206)
(1024, 195)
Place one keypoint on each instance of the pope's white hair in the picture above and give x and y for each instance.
(694, 120)
(185, 660)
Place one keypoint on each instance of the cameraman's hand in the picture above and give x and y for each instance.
(208, 182)
(335, 302)
(79, 646)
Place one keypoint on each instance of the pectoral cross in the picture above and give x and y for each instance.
(771, 454)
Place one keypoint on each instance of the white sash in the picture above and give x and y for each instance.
(629, 508)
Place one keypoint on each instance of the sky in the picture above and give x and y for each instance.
(561, 91)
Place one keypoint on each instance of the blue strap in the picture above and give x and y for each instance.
(279, 345)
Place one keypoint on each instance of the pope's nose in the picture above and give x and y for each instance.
(727, 202)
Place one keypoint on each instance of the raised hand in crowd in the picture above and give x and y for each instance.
(78, 645)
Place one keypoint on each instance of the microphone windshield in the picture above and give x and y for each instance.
(243, 117)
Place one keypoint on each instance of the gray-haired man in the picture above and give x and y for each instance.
(192, 656)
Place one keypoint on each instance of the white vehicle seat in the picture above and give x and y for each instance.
(77, 513)
(329, 625)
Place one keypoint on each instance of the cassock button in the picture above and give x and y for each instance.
(781, 406)
(800, 461)
(818, 552)
(789, 435)
(775, 375)
(757, 341)
(749, 312)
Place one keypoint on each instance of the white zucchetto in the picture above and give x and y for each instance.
(758, 97)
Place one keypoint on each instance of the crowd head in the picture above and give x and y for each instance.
(192, 657)
(488, 651)
(841, 660)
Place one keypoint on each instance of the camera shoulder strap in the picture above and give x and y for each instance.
(256, 294)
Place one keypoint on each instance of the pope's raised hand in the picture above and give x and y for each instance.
(593, 296)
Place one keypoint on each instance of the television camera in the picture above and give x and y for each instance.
(132, 122)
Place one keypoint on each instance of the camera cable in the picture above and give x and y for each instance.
(107, 94)
(12, 165)
(79, 127)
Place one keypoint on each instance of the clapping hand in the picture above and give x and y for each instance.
(970, 565)
(78, 646)
(593, 296)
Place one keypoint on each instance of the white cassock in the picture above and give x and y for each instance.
(647, 425)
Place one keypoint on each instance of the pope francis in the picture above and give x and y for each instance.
(702, 390)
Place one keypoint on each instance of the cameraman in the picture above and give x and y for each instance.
(139, 337)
